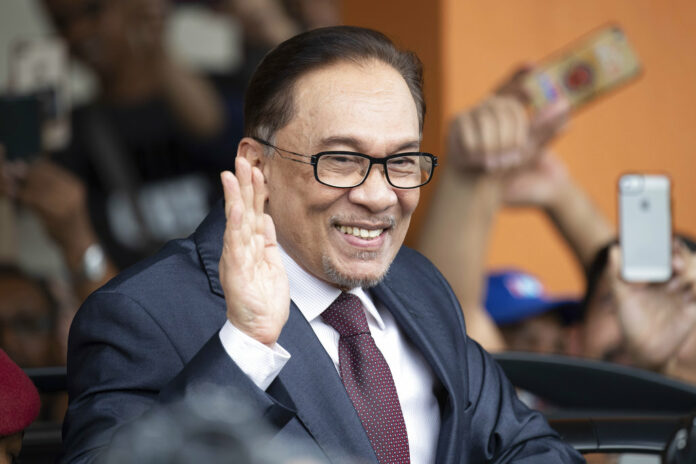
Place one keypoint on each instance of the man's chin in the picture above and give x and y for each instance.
(346, 278)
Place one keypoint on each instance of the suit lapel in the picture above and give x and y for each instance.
(425, 331)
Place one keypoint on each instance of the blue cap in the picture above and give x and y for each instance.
(513, 296)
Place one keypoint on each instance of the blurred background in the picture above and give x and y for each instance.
(159, 74)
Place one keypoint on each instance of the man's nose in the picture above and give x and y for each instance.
(375, 193)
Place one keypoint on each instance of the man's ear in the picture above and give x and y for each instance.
(253, 152)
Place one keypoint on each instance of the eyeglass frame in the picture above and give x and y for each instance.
(314, 161)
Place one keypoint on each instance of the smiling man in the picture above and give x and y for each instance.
(298, 297)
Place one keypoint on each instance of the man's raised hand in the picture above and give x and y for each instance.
(251, 271)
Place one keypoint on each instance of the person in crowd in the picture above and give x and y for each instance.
(19, 407)
(59, 199)
(500, 159)
(142, 164)
(297, 296)
(652, 326)
(32, 314)
(28, 319)
(528, 318)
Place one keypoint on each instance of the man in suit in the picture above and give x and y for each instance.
(298, 296)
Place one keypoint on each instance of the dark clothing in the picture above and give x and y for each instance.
(151, 334)
(147, 181)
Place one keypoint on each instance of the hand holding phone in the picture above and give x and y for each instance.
(645, 228)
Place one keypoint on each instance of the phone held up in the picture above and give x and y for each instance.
(35, 114)
(645, 227)
(592, 65)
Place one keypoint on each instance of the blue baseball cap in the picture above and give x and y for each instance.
(513, 296)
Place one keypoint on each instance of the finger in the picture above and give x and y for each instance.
(521, 123)
(269, 231)
(243, 174)
(514, 84)
(614, 270)
(505, 108)
(469, 138)
(230, 188)
(674, 284)
(271, 249)
(549, 121)
(259, 199)
(680, 256)
(488, 128)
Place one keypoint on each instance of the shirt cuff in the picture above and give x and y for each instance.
(259, 362)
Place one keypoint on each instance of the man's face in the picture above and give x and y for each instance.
(540, 334)
(25, 323)
(365, 108)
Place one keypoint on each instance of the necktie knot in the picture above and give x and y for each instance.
(346, 315)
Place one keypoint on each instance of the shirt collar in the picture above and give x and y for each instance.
(312, 295)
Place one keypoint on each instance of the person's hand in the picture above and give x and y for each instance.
(537, 184)
(57, 196)
(251, 271)
(499, 134)
(490, 137)
(545, 124)
(656, 319)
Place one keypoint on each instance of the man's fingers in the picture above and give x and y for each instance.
(230, 188)
(259, 198)
(269, 231)
(243, 174)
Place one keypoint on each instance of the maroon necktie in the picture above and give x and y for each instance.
(368, 380)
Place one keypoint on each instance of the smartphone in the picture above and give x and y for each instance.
(645, 227)
(20, 127)
(39, 69)
(591, 66)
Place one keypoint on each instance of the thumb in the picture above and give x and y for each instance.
(617, 284)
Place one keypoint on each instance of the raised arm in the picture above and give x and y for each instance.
(488, 146)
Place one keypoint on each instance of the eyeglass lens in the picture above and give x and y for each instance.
(346, 170)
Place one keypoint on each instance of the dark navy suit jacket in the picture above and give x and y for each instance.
(152, 333)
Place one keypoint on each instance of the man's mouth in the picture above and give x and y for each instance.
(360, 232)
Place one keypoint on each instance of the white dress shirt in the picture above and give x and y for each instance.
(413, 378)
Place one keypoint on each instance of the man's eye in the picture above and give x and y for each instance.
(341, 159)
(403, 162)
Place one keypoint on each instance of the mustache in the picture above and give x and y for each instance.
(382, 222)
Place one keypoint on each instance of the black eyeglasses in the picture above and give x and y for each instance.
(347, 169)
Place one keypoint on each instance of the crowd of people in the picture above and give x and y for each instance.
(500, 157)
(143, 167)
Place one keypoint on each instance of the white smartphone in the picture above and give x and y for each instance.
(645, 227)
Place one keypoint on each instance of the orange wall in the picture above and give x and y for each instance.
(468, 46)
